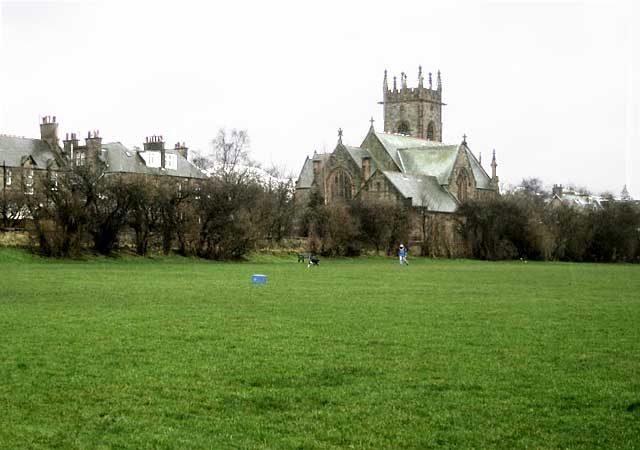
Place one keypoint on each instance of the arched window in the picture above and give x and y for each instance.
(403, 128)
(340, 185)
(430, 131)
(462, 182)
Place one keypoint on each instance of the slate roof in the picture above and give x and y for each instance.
(585, 201)
(305, 179)
(394, 142)
(483, 181)
(438, 161)
(357, 153)
(120, 159)
(424, 190)
(14, 150)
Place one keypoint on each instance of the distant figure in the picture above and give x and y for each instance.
(402, 253)
(301, 257)
(313, 261)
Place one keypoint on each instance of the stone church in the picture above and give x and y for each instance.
(407, 163)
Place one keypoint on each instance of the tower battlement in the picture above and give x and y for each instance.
(414, 111)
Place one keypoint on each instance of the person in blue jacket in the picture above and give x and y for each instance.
(402, 253)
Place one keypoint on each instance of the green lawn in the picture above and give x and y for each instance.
(363, 353)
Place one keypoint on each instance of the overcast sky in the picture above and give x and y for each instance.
(552, 86)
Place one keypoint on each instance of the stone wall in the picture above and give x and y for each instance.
(14, 238)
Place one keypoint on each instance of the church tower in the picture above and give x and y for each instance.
(416, 111)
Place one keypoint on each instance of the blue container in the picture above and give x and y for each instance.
(258, 279)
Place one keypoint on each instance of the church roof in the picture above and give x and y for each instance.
(14, 150)
(394, 142)
(357, 153)
(483, 181)
(438, 161)
(120, 159)
(305, 179)
(424, 190)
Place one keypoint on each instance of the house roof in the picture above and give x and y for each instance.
(579, 200)
(15, 150)
(424, 190)
(120, 159)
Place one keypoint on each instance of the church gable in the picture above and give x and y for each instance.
(342, 176)
(462, 182)
(379, 152)
(379, 188)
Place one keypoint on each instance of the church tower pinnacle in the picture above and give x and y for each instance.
(412, 111)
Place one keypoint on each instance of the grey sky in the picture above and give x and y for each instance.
(552, 86)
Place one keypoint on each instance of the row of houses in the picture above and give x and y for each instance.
(25, 161)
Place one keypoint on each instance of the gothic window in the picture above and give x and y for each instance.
(403, 128)
(340, 185)
(462, 183)
(430, 131)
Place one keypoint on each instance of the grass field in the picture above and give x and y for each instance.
(180, 353)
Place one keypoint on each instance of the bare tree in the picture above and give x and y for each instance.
(231, 155)
(13, 209)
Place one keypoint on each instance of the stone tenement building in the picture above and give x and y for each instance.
(24, 161)
(408, 163)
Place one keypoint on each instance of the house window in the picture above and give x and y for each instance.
(28, 182)
(53, 177)
(7, 178)
(80, 158)
(378, 186)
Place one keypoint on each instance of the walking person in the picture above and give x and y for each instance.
(402, 253)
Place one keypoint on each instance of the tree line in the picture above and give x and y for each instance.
(524, 224)
(233, 211)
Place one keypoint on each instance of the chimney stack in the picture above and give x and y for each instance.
(70, 145)
(49, 132)
(182, 150)
(94, 148)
